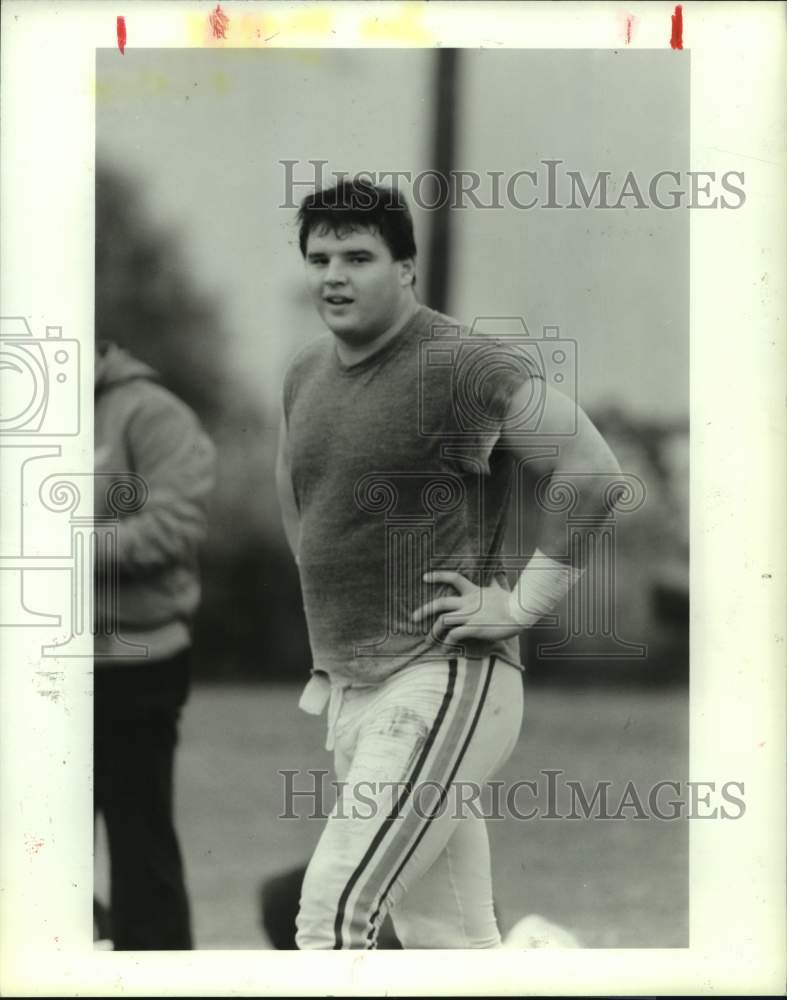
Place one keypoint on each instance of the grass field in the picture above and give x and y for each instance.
(615, 883)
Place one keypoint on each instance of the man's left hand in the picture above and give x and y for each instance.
(472, 613)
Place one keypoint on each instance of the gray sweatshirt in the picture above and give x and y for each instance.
(395, 472)
(142, 428)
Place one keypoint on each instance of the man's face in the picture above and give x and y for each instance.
(358, 288)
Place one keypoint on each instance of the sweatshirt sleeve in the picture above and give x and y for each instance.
(176, 459)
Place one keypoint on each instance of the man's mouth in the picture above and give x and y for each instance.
(337, 300)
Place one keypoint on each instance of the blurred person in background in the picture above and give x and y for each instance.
(415, 649)
(142, 428)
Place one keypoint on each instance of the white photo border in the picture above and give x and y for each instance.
(738, 81)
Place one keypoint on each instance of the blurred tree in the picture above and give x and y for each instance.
(250, 622)
(146, 302)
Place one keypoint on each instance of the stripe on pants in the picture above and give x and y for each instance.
(482, 687)
(402, 798)
(448, 741)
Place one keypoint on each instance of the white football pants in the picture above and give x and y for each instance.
(399, 837)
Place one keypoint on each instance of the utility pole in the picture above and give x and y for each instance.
(443, 154)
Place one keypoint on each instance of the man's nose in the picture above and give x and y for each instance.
(335, 272)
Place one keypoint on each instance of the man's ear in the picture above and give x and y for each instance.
(407, 271)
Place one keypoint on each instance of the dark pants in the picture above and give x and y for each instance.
(136, 711)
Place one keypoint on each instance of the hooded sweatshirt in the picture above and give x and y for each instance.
(141, 427)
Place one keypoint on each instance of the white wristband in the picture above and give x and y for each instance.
(542, 583)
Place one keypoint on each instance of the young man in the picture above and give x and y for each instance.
(400, 440)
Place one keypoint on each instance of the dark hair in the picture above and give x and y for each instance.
(358, 204)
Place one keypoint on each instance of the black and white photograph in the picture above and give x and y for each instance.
(385, 586)
(423, 320)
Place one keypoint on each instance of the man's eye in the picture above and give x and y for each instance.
(359, 260)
